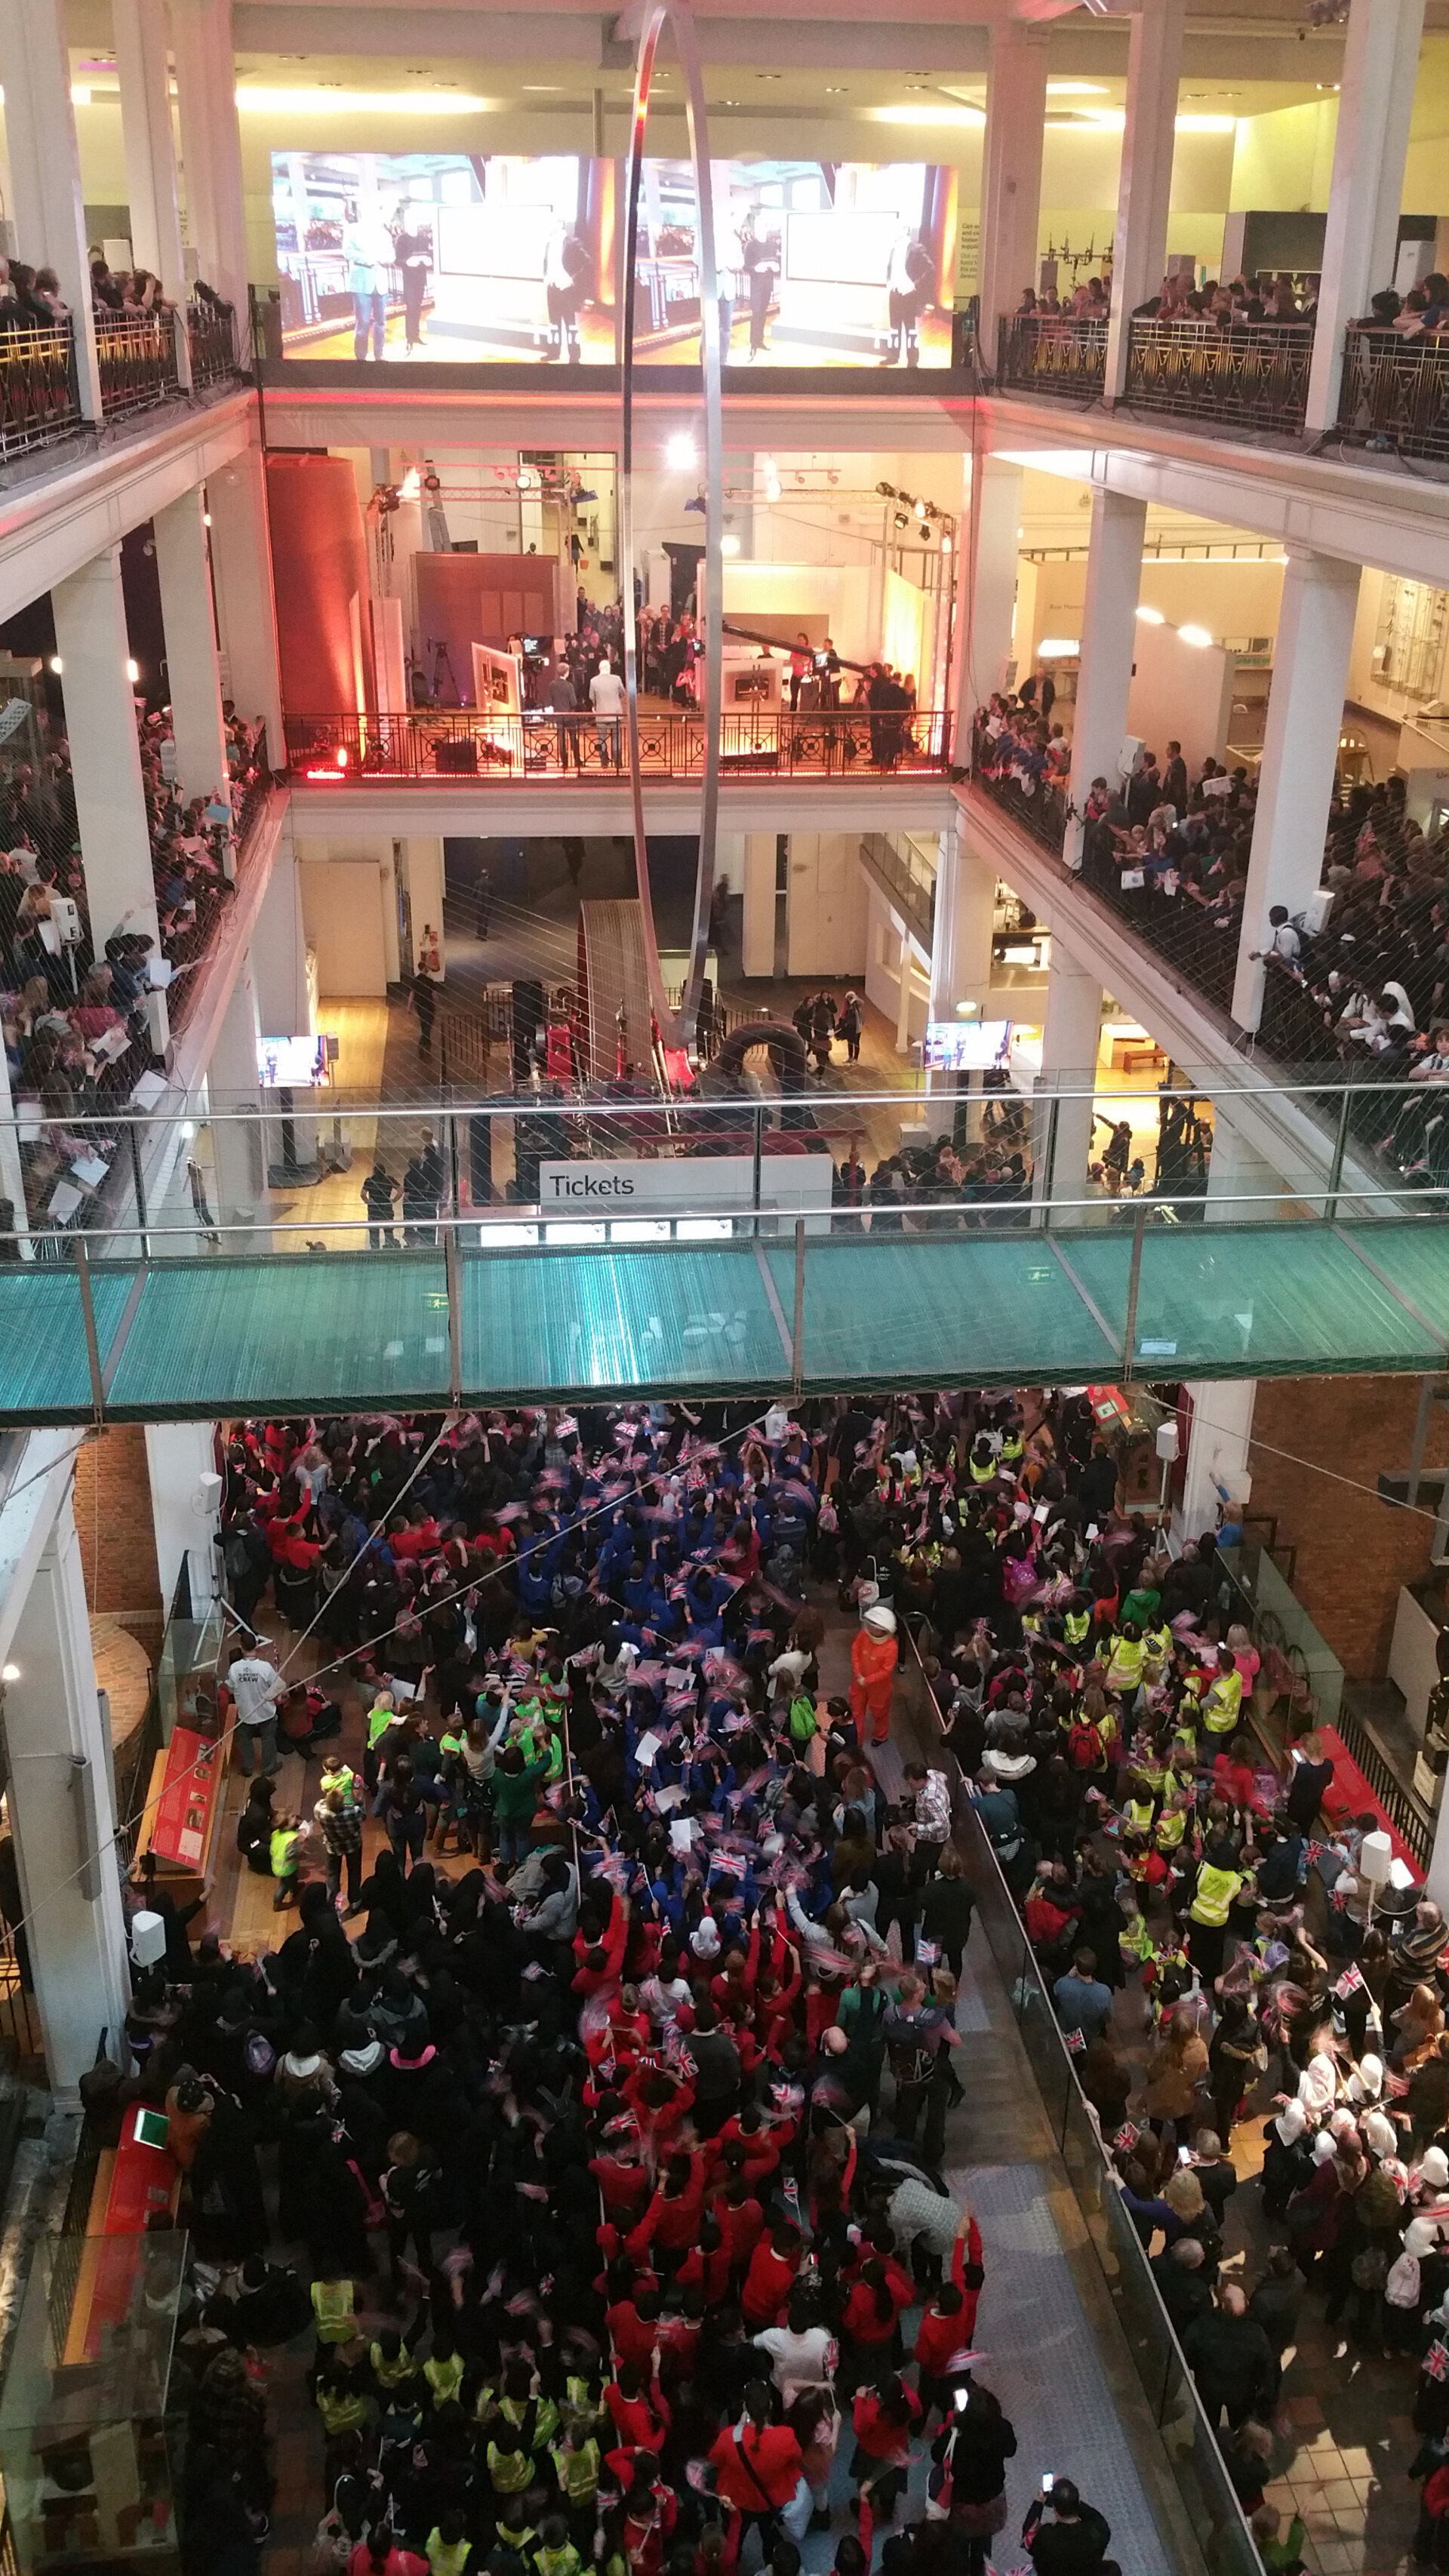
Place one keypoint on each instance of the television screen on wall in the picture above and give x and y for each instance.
(967, 1046)
(395, 257)
(820, 263)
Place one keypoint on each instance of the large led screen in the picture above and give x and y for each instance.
(821, 263)
(397, 257)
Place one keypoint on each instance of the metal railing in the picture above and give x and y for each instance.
(1052, 353)
(1189, 2446)
(1241, 375)
(213, 341)
(1191, 2477)
(1395, 394)
(39, 400)
(453, 743)
(910, 881)
(136, 356)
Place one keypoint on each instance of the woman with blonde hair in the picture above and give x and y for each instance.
(1175, 2069)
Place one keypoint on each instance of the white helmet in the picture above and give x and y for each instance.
(880, 1621)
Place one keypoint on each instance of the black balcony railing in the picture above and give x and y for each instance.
(453, 743)
(38, 398)
(1395, 394)
(1052, 353)
(212, 338)
(1251, 375)
(136, 354)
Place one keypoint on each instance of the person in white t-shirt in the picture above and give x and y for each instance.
(802, 2354)
(256, 1686)
(606, 697)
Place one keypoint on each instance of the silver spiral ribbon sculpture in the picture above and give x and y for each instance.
(676, 1028)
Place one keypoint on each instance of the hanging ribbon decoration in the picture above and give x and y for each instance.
(676, 1029)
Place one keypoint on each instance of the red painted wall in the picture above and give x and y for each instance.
(319, 562)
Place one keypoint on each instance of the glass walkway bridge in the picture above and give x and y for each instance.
(734, 1274)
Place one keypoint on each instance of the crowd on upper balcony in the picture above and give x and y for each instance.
(75, 1026)
(30, 298)
(1233, 304)
(1255, 298)
(1361, 976)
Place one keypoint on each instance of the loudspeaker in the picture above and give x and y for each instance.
(456, 755)
(208, 1492)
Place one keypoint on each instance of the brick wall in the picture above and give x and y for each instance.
(117, 1537)
(1354, 1551)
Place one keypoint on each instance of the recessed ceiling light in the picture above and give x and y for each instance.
(537, 88)
(769, 76)
(837, 93)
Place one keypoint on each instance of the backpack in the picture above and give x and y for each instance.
(911, 2063)
(258, 2055)
(803, 1721)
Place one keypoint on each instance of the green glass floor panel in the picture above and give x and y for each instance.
(1416, 1257)
(1251, 1301)
(305, 1333)
(44, 1372)
(967, 1311)
(611, 1320)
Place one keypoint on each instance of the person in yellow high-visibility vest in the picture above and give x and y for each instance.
(1224, 1697)
(1220, 1876)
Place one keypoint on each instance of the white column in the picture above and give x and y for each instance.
(1218, 1450)
(1144, 188)
(1375, 102)
(237, 1145)
(279, 950)
(757, 941)
(178, 1456)
(201, 39)
(12, 1178)
(903, 1001)
(62, 1815)
(241, 569)
(986, 600)
(423, 864)
(961, 931)
(1011, 171)
(138, 31)
(100, 724)
(1300, 750)
(46, 204)
(1108, 640)
(1071, 1036)
(192, 672)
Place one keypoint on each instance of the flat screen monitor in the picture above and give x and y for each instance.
(397, 257)
(967, 1046)
(293, 1064)
(820, 263)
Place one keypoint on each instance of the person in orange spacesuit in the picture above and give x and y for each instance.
(874, 1654)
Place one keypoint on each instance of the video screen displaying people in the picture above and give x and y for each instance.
(391, 257)
(820, 263)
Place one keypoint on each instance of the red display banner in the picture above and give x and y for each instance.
(183, 1809)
